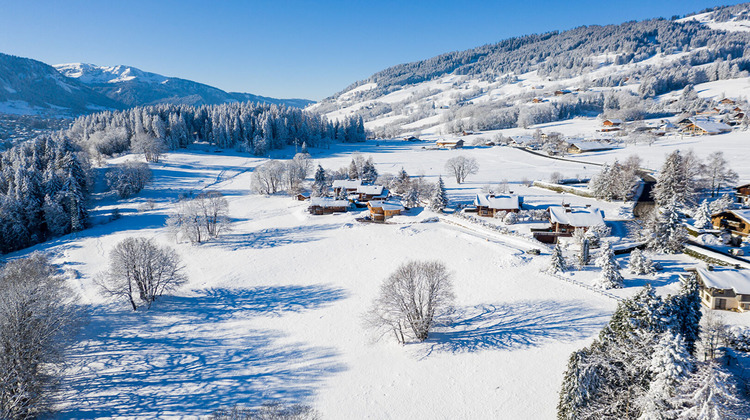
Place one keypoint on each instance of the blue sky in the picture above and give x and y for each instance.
(308, 49)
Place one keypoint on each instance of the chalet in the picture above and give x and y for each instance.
(705, 126)
(449, 144)
(302, 196)
(488, 205)
(325, 205)
(562, 92)
(565, 219)
(411, 138)
(736, 221)
(537, 100)
(525, 141)
(583, 146)
(380, 210)
(371, 192)
(743, 194)
(723, 288)
(727, 101)
(612, 123)
(350, 185)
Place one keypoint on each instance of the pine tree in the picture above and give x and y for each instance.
(708, 394)
(639, 263)
(369, 173)
(610, 277)
(320, 187)
(557, 261)
(667, 234)
(685, 309)
(581, 383)
(702, 218)
(670, 363)
(439, 199)
(411, 197)
(353, 170)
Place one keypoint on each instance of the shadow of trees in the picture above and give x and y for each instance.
(193, 355)
(517, 325)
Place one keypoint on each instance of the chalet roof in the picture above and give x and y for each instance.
(386, 205)
(347, 183)
(737, 280)
(710, 126)
(498, 202)
(590, 145)
(742, 214)
(328, 202)
(576, 216)
(614, 120)
(370, 189)
(523, 140)
(449, 141)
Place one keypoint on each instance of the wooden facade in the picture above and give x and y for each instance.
(743, 194)
(724, 289)
(381, 211)
(735, 221)
(449, 144)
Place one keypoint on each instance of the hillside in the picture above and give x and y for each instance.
(29, 87)
(620, 71)
(134, 87)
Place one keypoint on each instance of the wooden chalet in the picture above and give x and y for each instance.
(565, 219)
(724, 288)
(325, 205)
(371, 192)
(562, 92)
(449, 144)
(489, 205)
(302, 196)
(735, 221)
(743, 194)
(583, 146)
(350, 185)
(612, 122)
(380, 211)
(705, 126)
(727, 101)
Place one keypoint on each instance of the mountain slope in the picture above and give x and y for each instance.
(134, 87)
(31, 87)
(621, 69)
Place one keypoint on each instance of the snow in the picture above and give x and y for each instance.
(370, 189)
(347, 183)
(91, 73)
(737, 280)
(576, 217)
(328, 202)
(385, 205)
(497, 202)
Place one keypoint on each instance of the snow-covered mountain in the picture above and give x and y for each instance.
(633, 70)
(134, 87)
(31, 87)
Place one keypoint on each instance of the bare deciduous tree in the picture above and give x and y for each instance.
(37, 316)
(412, 300)
(141, 271)
(271, 411)
(152, 148)
(296, 171)
(128, 178)
(202, 218)
(461, 167)
(268, 177)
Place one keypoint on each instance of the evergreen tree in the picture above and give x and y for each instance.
(581, 383)
(667, 234)
(610, 277)
(369, 173)
(639, 263)
(685, 310)
(353, 170)
(439, 199)
(320, 184)
(411, 197)
(557, 261)
(709, 394)
(702, 218)
(670, 363)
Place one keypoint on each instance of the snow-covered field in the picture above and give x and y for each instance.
(273, 309)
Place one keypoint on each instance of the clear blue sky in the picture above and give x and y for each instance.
(308, 49)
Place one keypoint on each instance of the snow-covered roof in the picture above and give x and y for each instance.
(370, 189)
(328, 202)
(710, 126)
(503, 201)
(614, 120)
(576, 216)
(590, 145)
(522, 140)
(386, 205)
(737, 280)
(742, 214)
(347, 183)
(449, 141)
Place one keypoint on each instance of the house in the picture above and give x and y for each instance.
(350, 185)
(705, 126)
(565, 219)
(612, 122)
(371, 192)
(583, 146)
(736, 221)
(449, 144)
(411, 138)
(727, 101)
(525, 141)
(326, 205)
(724, 288)
(562, 92)
(302, 196)
(489, 205)
(537, 100)
(381, 210)
(743, 194)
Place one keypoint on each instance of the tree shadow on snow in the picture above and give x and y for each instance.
(517, 325)
(273, 237)
(191, 355)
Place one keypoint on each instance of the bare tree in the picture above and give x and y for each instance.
(268, 177)
(37, 317)
(152, 148)
(296, 171)
(461, 167)
(202, 218)
(269, 411)
(141, 271)
(128, 178)
(412, 300)
(717, 173)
